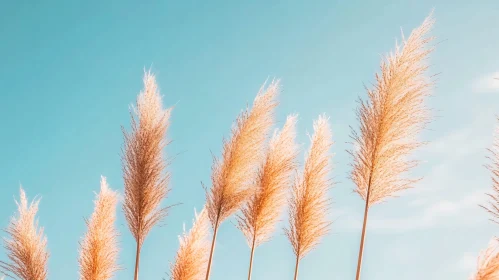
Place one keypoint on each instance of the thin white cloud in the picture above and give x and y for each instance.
(467, 262)
(487, 83)
(441, 213)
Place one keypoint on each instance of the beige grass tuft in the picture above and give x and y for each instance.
(242, 154)
(99, 247)
(309, 204)
(390, 122)
(192, 256)
(261, 213)
(488, 263)
(27, 246)
(392, 119)
(146, 182)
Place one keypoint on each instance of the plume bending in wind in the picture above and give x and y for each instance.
(310, 203)
(242, 154)
(146, 182)
(99, 247)
(261, 213)
(27, 246)
(390, 122)
(192, 256)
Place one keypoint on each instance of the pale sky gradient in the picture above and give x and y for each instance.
(70, 69)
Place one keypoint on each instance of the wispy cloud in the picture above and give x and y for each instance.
(455, 213)
(487, 83)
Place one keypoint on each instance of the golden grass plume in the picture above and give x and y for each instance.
(99, 247)
(192, 256)
(310, 203)
(146, 181)
(488, 263)
(391, 119)
(242, 153)
(493, 207)
(261, 213)
(27, 246)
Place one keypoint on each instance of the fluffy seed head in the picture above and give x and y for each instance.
(391, 120)
(242, 154)
(261, 213)
(99, 247)
(27, 246)
(146, 182)
(192, 256)
(488, 263)
(309, 204)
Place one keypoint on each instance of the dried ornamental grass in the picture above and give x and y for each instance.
(146, 182)
(99, 247)
(27, 246)
(192, 256)
(390, 122)
(261, 213)
(310, 203)
(488, 263)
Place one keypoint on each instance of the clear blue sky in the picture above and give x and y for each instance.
(70, 69)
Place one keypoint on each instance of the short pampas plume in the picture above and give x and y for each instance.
(192, 256)
(27, 246)
(146, 182)
(310, 203)
(99, 247)
(493, 207)
(390, 122)
(488, 263)
(242, 154)
(261, 213)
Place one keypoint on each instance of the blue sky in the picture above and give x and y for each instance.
(70, 70)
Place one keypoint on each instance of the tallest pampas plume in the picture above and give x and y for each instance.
(390, 122)
(27, 246)
(146, 182)
(242, 154)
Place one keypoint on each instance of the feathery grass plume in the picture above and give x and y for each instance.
(27, 246)
(390, 122)
(242, 154)
(488, 263)
(146, 182)
(192, 256)
(261, 213)
(493, 207)
(310, 203)
(99, 247)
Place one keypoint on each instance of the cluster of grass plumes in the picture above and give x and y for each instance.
(27, 246)
(256, 177)
(99, 247)
(146, 181)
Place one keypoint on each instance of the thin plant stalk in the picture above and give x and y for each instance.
(146, 182)
(233, 174)
(389, 124)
